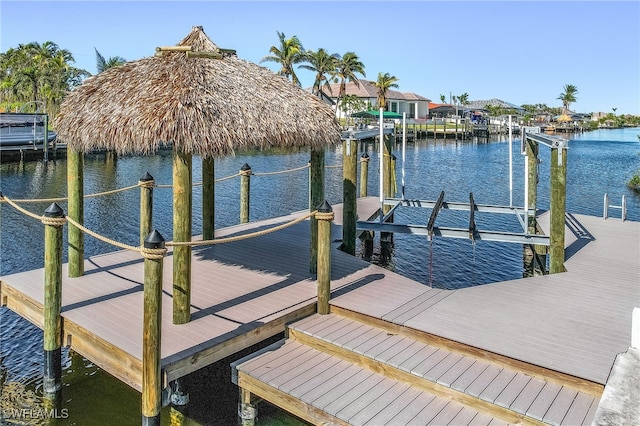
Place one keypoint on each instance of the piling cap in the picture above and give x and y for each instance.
(365, 155)
(245, 167)
(393, 157)
(154, 240)
(146, 178)
(54, 210)
(325, 207)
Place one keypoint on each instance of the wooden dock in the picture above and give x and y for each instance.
(531, 351)
(554, 336)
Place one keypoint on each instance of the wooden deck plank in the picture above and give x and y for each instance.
(483, 380)
(456, 371)
(416, 306)
(379, 404)
(578, 411)
(481, 419)
(469, 376)
(512, 391)
(405, 354)
(394, 408)
(543, 401)
(497, 385)
(443, 366)
(560, 406)
(400, 346)
(447, 414)
(424, 352)
(359, 389)
(429, 412)
(300, 365)
(527, 396)
(464, 417)
(412, 410)
(363, 399)
(351, 377)
(430, 362)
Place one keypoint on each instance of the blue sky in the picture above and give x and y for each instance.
(521, 52)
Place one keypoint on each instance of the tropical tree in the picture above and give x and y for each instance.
(348, 66)
(39, 73)
(568, 96)
(443, 98)
(103, 64)
(463, 99)
(287, 54)
(324, 65)
(383, 84)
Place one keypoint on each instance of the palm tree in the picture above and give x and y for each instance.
(464, 98)
(348, 66)
(103, 64)
(568, 97)
(385, 82)
(324, 65)
(443, 98)
(289, 53)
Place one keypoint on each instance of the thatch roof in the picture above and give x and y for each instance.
(203, 105)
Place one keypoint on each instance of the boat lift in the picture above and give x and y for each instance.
(381, 223)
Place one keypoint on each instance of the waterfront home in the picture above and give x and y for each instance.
(416, 106)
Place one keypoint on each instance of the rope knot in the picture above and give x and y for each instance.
(153, 254)
(325, 216)
(53, 221)
(247, 172)
(147, 183)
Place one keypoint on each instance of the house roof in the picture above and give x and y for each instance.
(482, 104)
(367, 89)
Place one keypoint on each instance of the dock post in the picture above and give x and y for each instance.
(146, 205)
(364, 174)
(324, 216)
(208, 198)
(53, 220)
(151, 334)
(45, 139)
(75, 192)
(247, 411)
(245, 192)
(349, 196)
(532, 150)
(179, 403)
(316, 197)
(182, 208)
(557, 207)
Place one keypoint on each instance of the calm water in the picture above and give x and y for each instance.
(600, 161)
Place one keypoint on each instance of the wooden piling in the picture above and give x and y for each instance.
(247, 411)
(151, 334)
(557, 207)
(146, 206)
(208, 198)
(245, 192)
(349, 196)
(53, 220)
(364, 174)
(316, 197)
(75, 206)
(324, 216)
(532, 149)
(182, 208)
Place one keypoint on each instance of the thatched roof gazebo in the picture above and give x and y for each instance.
(201, 100)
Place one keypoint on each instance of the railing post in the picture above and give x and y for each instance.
(152, 326)
(53, 220)
(182, 209)
(349, 196)
(245, 192)
(364, 174)
(208, 198)
(557, 208)
(75, 206)
(316, 197)
(146, 205)
(324, 216)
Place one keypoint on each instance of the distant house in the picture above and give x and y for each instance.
(414, 105)
(481, 105)
(444, 110)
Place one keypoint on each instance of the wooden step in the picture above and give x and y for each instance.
(483, 385)
(325, 389)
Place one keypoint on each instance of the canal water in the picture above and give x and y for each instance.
(599, 162)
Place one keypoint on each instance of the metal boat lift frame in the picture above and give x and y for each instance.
(382, 224)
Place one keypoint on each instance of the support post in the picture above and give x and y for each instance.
(182, 208)
(316, 197)
(557, 208)
(324, 216)
(75, 193)
(364, 174)
(53, 220)
(146, 205)
(151, 334)
(245, 192)
(208, 198)
(386, 165)
(45, 139)
(247, 411)
(349, 211)
(532, 189)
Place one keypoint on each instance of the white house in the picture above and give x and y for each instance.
(414, 105)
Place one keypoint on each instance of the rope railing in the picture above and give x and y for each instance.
(154, 253)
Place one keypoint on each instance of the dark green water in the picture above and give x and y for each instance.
(599, 162)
